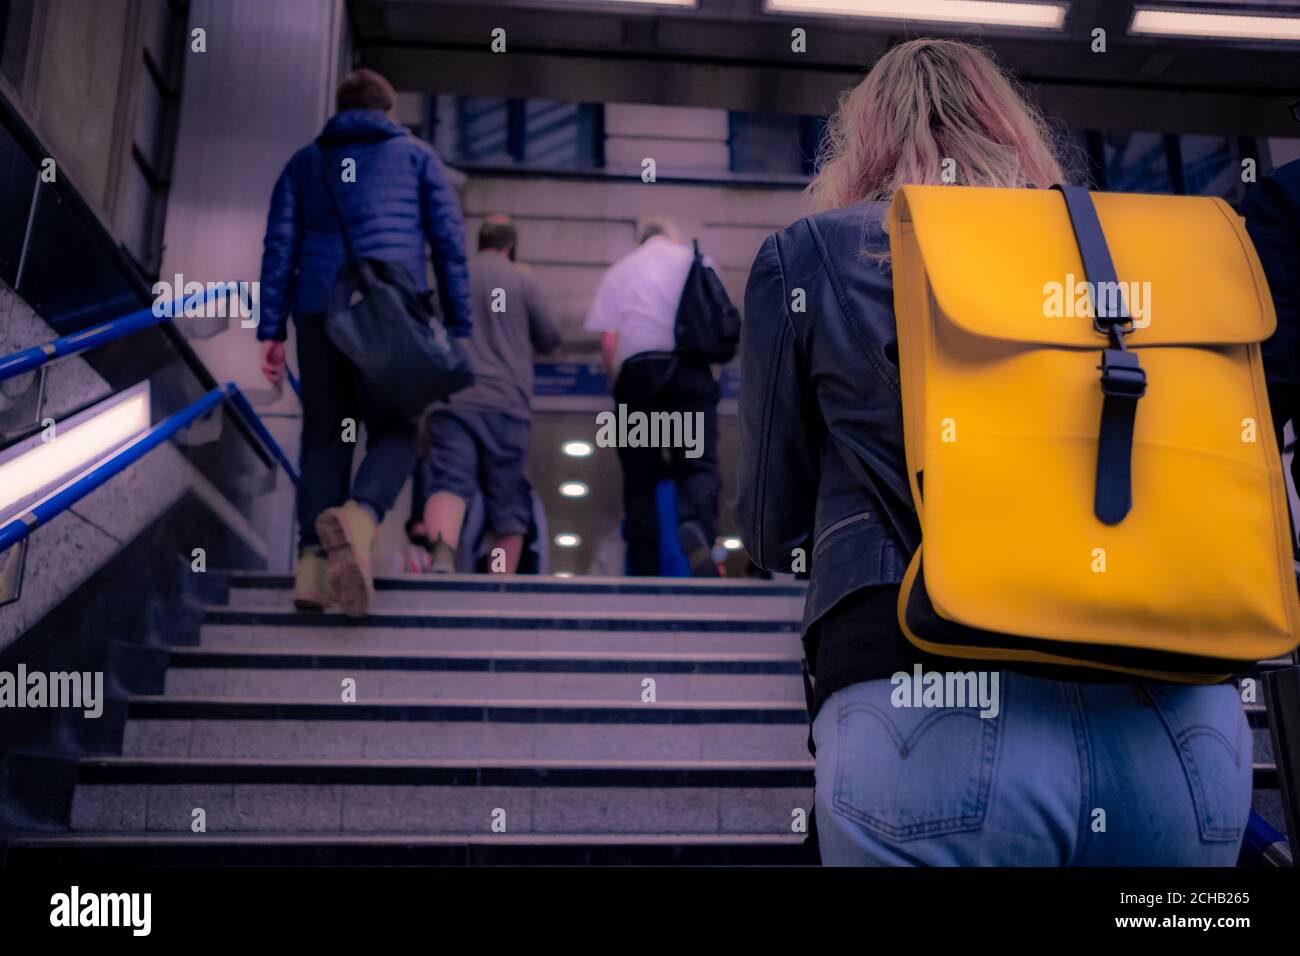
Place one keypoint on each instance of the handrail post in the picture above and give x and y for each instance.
(254, 421)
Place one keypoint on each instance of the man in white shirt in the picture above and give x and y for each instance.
(635, 310)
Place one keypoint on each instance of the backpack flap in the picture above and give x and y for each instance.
(1003, 406)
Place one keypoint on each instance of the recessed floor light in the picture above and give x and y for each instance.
(732, 544)
(577, 448)
(567, 539)
(32, 468)
(574, 489)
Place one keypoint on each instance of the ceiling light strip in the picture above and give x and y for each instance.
(1040, 16)
(1214, 26)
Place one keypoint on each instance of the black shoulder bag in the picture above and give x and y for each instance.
(387, 329)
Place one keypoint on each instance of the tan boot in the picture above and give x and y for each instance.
(347, 532)
(311, 585)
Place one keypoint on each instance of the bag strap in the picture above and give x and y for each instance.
(1123, 381)
(334, 202)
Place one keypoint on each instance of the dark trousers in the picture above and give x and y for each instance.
(332, 391)
(660, 384)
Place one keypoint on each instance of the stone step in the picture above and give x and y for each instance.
(388, 849)
(461, 592)
(213, 727)
(503, 631)
(317, 674)
(443, 797)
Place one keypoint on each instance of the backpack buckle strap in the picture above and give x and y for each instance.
(1122, 376)
(1123, 382)
(1113, 325)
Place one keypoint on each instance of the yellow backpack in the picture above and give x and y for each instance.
(1093, 489)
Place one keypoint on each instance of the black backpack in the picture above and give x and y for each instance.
(707, 329)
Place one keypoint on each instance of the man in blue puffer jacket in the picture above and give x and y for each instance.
(398, 200)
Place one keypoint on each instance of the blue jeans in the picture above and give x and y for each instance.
(1065, 774)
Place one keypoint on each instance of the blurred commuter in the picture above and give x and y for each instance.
(478, 443)
(825, 475)
(1272, 212)
(635, 309)
(399, 201)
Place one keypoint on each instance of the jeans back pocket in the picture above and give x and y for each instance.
(1208, 728)
(911, 772)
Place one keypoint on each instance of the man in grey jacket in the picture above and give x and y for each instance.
(478, 442)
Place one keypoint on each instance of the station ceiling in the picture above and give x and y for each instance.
(732, 54)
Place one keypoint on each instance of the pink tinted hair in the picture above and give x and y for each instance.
(926, 101)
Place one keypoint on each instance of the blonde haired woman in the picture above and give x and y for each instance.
(1065, 768)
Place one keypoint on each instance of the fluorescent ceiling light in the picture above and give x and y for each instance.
(1214, 26)
(567, 539)
(1040, 16)
(577, 448)
(642, 3)
(35, 467)
(731, 544)
(574, 489)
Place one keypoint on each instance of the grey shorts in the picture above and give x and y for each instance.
(472, 452)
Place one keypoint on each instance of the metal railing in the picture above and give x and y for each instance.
(36, 358)
(1264, 846)
(32, 359)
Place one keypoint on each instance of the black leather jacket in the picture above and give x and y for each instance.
(821, 419)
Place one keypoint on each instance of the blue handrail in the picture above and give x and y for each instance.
(1264, 846)
(40, 513)
(245, 409)
(30, 359)
(18, 528)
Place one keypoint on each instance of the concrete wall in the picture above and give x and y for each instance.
(261, 91)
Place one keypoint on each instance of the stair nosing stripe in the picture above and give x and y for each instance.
(494, 621)
(210, 658)
(285, 583)
(217, 772)
(541, 712)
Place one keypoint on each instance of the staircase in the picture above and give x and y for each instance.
(469, 719)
